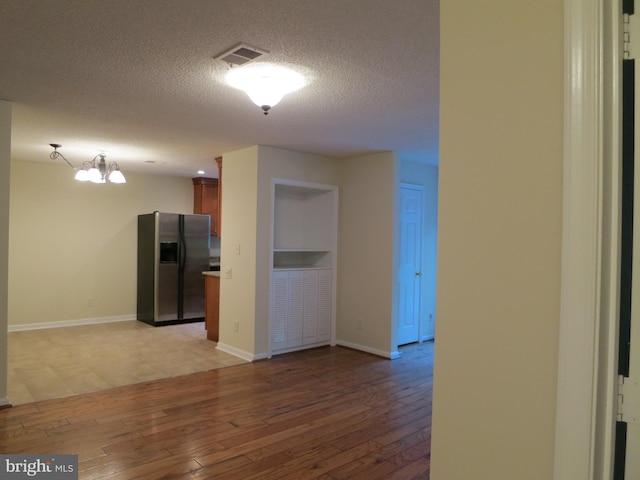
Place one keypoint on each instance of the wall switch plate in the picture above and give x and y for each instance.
(237, 249)
(227, 273)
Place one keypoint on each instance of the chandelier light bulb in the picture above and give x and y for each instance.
(94, 175)
(116, 176)
(82, 175)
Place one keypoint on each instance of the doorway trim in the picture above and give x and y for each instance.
(586, 391)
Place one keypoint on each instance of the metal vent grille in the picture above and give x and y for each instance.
(241, 54)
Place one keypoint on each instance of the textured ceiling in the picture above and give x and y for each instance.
(136, 79)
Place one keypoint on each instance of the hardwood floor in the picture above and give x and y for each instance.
(326, 413)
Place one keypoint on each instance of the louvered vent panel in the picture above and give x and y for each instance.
(280, 300)
(241, 54)
(295, 312)
(309, 328)
(324, 305)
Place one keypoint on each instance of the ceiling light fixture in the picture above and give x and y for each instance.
(96, 170)
(265, 84)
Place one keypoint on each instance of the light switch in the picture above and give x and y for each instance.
(237, 249)
(227, 273)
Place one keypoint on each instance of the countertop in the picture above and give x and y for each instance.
(212, 274)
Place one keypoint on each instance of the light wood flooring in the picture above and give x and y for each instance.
(59, 362)
(328, 413)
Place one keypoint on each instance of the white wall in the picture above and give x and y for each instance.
(5, 175)
(72, 245)
(426, 176)
(367, 256)
(500, 204)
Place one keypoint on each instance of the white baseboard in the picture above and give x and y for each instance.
(4, 401)
(426, 338)
(374, 351)
(302, 347)
(395, 355)
(70, 323)
(249, 357)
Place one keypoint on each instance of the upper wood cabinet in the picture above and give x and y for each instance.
(207, 198)
(205, 201)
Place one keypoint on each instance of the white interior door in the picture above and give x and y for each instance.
(410, 268)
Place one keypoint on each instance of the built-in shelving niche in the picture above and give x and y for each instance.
(302, 289)
(304, 224)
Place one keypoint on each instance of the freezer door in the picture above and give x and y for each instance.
(196, 260)
(167, 266)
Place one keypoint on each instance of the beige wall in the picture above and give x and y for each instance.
(247, 177)
(366, 249)
(367, 202)
(72, 245)
(499, 240)
(239, 211)
(5, 175)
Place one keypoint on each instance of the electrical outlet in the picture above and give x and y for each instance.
(227, 273)
(236, 326)
(90, 303)
(359, 327)
(237, 249)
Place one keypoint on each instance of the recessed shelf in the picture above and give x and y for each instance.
(303, 217)
(301, 258)
(299, 267)
(325, 250)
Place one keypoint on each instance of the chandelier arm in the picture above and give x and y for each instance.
(55, 154)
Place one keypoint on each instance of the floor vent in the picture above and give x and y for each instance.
(241, 54)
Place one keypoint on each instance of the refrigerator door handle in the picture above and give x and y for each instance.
(182, 256)
(183, 251)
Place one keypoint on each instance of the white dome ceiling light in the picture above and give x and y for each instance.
(265, 83)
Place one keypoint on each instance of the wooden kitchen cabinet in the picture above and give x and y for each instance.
(212, 306)
(206, 201)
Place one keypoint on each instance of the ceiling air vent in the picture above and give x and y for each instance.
(241, 54)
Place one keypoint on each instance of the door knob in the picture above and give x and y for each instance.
(418, 274)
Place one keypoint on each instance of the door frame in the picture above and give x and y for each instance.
(587, 359)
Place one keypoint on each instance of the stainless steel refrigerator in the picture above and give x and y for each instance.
(173, 251)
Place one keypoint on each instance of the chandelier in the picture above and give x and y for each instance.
(95, 171)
